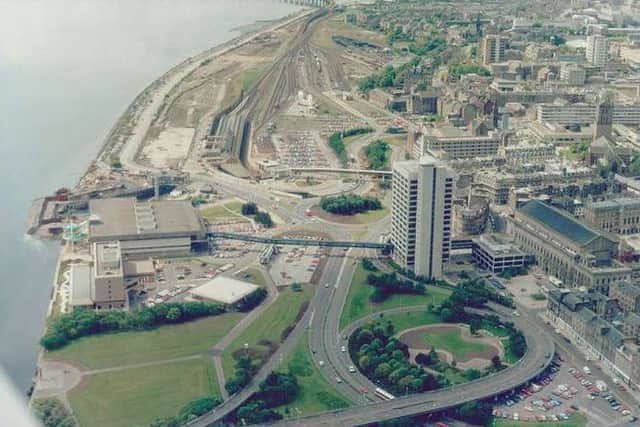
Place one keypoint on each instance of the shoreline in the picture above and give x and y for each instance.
(133, 112)
(137, 106)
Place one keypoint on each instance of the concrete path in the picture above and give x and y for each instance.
(240, 327)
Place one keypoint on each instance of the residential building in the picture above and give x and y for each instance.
(573, 74)
(492, 47)
(582, 113)
(620, 216)
(421, 215)
(597, 52)
(456, 144)
(628, 296)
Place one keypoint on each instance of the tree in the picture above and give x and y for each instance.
(496, 362)
(433, 355)
(264, 218)
(475, 324)
(278, 389)
(173, 315)
(255, 412)
(476, 412)
(52, 413)
(472, 374)
(249, 208)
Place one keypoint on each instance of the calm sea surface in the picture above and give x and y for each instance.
(68, 69)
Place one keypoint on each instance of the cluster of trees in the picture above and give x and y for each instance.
(245, 369)
(378, 155)
(276, 390)
(388, 76)
(83, 322)
(385, 360)
(470, 293)
(192, 410)
(349, 204)
(430, 46)
(252, 300)
(251, 209)
(52, 413)
(387, 284)
(462, 69)
(397, 35)
(336, 142)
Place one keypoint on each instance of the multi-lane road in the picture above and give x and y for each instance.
(539, 355)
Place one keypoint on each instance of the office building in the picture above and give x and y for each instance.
(492, 47)
(628, 296)
(495, 253)
(597, 52)
(421, 215)
(586, 114)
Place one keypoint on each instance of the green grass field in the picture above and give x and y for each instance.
(224, 212)
(270, 325)
(358, 305)
(453, 342)
(166, 342)
(575, 420)
(404, 321)
(253, 275)
(316, 394)
(135, 397)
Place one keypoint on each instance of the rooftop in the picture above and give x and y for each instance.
(559, 222)
(224, 289)
(80, 280)
(122, 218)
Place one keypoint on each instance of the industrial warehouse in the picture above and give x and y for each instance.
(125, 235)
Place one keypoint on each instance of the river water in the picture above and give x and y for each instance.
(68, 69)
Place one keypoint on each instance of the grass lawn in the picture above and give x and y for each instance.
(509, 357)
(135, 397)
(166, 342)
(224, 212)
(453, 342)
(575, 420)
(316, 394)
(497, 331)
(358, 305)
(269, 326)
(404, 321)
(253, 275)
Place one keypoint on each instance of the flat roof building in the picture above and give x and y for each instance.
(421, 215)
(496, 253)
(158, 228)
(566, 248)
(223, 289)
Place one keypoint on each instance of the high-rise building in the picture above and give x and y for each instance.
(421, 215)
(492, 48)
(597, 49)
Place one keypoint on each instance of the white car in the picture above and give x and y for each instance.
(343, 349)
(352, 369)
(338, 380)
(321, 363)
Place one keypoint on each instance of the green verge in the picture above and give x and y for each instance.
(227, 211)
(136, 397)
(316, 394)
(453, 342)
(575, 420)
(253, 275)
(358, 304)
(269, 326)
(163, 343)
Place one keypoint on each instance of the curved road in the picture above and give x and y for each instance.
(539, 355)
